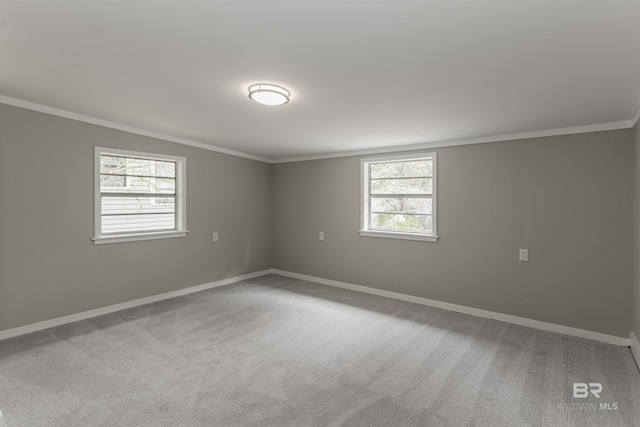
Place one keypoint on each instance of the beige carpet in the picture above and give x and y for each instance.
(275, 351)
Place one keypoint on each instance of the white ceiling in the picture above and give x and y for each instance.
(363, 74)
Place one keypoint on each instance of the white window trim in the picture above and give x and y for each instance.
(181, 199)
(365, 199)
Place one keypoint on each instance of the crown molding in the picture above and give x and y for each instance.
(599, 127)
(125, 128)
(624, 124)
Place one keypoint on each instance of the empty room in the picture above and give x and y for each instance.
(369, 213)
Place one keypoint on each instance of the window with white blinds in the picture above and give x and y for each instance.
(399, 197)
(139, 196)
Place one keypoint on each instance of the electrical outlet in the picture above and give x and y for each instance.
(321, 235)
(215, 237)
(524, 255)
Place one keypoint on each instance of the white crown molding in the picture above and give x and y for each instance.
(9, 333)
(635, 348)
(125, 128)
(625, 124)
(536, 324)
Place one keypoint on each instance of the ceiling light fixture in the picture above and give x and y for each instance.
(268, 94)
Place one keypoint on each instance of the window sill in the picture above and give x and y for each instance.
(396, 235)
(138, 237)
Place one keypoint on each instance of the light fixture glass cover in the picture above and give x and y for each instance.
(268, 94)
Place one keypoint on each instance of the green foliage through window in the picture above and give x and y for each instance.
(401, 196)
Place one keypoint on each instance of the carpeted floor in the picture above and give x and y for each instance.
(275, 351)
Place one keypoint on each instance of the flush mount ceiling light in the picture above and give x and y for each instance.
(268, 94)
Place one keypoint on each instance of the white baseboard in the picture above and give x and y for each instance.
(567, 330)
(635, 348)
(596, 336)
(9, 333)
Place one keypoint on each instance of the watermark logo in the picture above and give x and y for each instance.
(582, 390)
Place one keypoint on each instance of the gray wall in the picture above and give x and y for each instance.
(49, 266)
(567, 199)
(636, 282)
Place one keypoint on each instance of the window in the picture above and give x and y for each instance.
(399, 197)
(138, 196)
